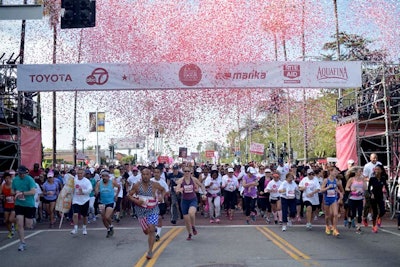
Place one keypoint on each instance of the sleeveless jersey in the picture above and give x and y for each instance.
(188, 190)
(106, 193)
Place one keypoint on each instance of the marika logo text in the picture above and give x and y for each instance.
(253, 75)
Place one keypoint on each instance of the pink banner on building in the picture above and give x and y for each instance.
(346, 145)
(31, 147)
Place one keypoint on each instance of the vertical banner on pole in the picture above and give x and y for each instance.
(101, 119)
(92, 122)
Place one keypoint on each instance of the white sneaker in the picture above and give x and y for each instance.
(84, 232)
(308, 226)
(74, 232)
(315, 218)
(283, 228)
(289, 223)
(369, 216)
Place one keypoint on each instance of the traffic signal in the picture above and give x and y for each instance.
(78, 14)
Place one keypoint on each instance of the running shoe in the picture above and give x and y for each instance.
(157, 238)
(315, 218)
(189, 237)
(280, 222)
(327, 230)
(84, 232)
(321, 213)
(194, 230)
(335, 232)
(149, 255)
(217, 220)
(379, 221)
(353, 223)
(247, 222)
(108, 234)
(365, 222)
(369, 216)
(375, 229)
(211, 220)
(74, 231)
(358, 230)
(253, 217)
(10, 235)
(298, 218)
(345, 222)
(349, 223)
(283, 228)
(289, 223)
(308, 226)
(111, 231)
(22, 247)
(267, 220)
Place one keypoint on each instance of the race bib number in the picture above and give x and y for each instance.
(10, 199)
(290, 194)
(188, 188)
(331, 193)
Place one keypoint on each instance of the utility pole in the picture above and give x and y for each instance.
(83, 144)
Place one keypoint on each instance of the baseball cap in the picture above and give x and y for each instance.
(251, 170)
(267, 170)
(350, 161)
(199, 170)
(22, 169)
(310, 171)
(135, 168)
(88, 172)
(50, 174)
(230, 170)
(214, 168)
(117, 173)
(175, 167)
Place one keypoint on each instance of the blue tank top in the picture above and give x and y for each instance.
(106, 193)
(331, 192)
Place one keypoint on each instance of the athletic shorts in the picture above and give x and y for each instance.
(8, 210)
(187, 203)
(329, 200)
(27, 212)
(149, 219)
(45, 201)
(83, 210)
(308, 204)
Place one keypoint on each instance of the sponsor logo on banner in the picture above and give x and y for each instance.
(190, 74)
(254, 75)
(327, 73)
(209, 153)
(53, 78)
(291, 71)
(257, 148)
(99, 76)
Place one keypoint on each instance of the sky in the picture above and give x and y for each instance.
(188, 31)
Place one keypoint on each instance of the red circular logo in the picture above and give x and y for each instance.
(99, 76)
(190, 74)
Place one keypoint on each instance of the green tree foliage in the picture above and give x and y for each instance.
(352, 47)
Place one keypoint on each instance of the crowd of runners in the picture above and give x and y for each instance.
(280, 194)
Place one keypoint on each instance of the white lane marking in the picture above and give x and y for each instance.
(17, 241)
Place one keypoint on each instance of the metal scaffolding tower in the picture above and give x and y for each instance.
(16, 110)
(374, 108)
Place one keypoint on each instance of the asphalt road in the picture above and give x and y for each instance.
(231, 243)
